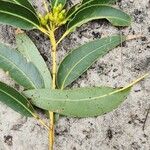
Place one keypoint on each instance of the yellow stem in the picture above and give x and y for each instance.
(54, 68)
(63, 36)
(40, 121)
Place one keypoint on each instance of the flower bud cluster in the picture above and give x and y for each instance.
(57, 16)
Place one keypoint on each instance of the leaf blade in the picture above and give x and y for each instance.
(101, 1)
(15, 100)
(86, 3)
(83, 102)
(80, 59)
(24, 3)
(30, 51)
(115, 16)
(23, 72)
(17, 15)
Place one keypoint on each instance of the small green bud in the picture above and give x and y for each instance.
(51, 17)
(55, 10)
(63, 12)
(60, 7)
(40, 16)
(46, 17)
(55, 16)
(43, 21)
(61, 17)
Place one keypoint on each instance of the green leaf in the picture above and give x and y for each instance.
(24, 3)
(30, 51)
(101, 1)
(23, 72)
(18, 16)
(115, 16)
(82, 102)
(78, 7)
(80, 59)
(86, 3)
(15, 100)
(55, 3)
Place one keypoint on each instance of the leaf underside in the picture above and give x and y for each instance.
(83, 102)
(23, 72)
(30, 51)
(15, 100)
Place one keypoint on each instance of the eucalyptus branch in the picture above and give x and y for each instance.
(34, 75)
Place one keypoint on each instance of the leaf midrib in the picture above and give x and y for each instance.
(84, 99)
(13, 64)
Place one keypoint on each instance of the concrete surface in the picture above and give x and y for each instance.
(123, 129)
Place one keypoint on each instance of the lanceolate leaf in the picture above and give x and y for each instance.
(17, 15)
(80, 59)
(24, 3)
(23, 72)
(55, 3)
(15, 100)
(115, 16)
(82, 102)
(101, 1)
(85, 4)
(30, 51)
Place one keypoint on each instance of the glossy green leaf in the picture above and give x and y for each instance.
(24, 3)
(72, 11)
(55, 3)
(23, 72)
(115, 16)
(95, 2)
(86, 3)
(15, 100)
(17, 15)
(30, 51)
(80, 59)
(82, 102)
(101, 1)
(75, 9)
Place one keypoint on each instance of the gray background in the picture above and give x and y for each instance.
(122, 129)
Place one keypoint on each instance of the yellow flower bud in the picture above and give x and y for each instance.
(55, 16)
(40, 16)
(55, 10)
(46, 17)
(43, 21)
(51, 17)
(61, 17)
(63, 12)
(60, 7)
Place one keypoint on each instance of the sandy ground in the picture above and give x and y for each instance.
(123, 129)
